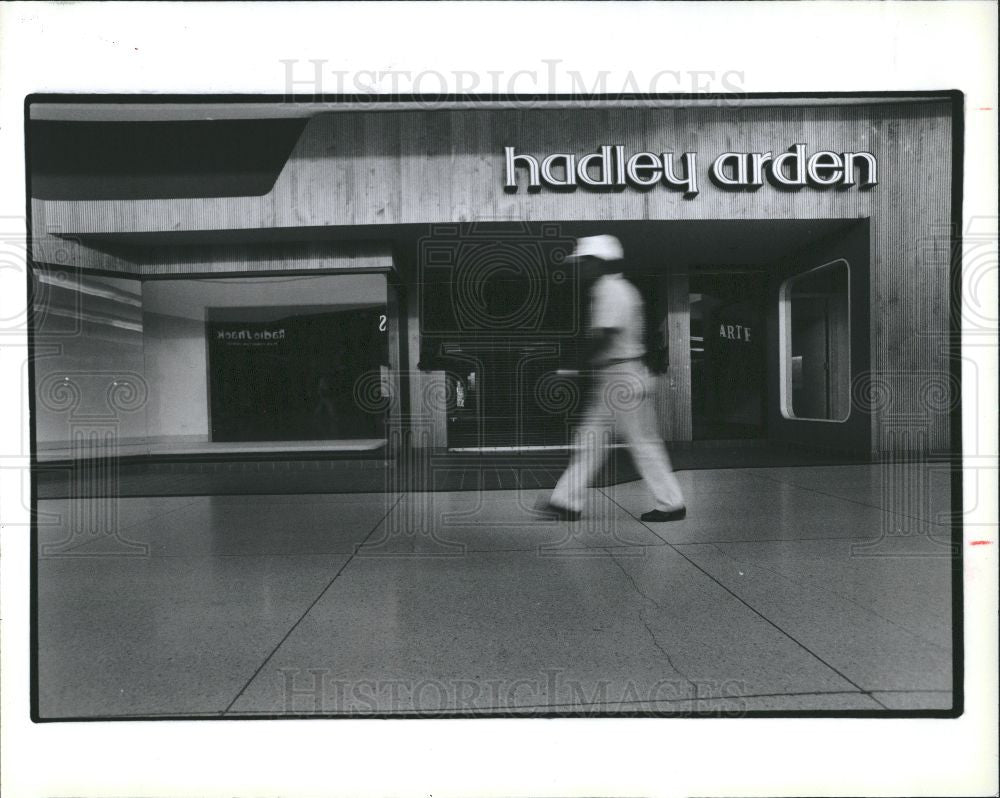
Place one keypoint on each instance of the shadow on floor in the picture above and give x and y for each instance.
(449, 471)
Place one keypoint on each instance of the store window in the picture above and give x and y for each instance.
(815, 340)
(200, 365)
(286, 373)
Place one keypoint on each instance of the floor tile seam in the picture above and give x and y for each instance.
(353, 549)
(755, 610)
(652, 633)
(820, 538)
(535, 550)
(850, 501)
(903, 691)
(307, 610)
(834, 593)
(723, 698)
(873, 698)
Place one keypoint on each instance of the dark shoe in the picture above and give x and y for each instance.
(546, 509)
(664, 515)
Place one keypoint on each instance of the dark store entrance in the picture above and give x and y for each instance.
(506, 317)
(519, 395)
(292, 374)
(728, 364)
(502, 313)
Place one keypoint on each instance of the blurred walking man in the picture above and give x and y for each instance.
(621, 404)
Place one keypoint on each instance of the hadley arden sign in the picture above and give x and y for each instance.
(612, 167)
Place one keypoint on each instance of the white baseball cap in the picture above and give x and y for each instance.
(603, 247)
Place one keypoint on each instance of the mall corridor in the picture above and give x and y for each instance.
(824, 588)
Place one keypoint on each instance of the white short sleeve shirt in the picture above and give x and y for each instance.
(616, 304)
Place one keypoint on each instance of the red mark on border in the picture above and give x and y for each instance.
(980, 542)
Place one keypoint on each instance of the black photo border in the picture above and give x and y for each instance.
(957, 100)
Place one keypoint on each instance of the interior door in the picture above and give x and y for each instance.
(728, 368)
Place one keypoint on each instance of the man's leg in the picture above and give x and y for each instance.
(638, 427)
(590, 446)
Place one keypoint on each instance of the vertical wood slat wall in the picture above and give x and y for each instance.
(674, 395)
(359, 168)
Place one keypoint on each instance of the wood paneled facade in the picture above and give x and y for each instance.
(380, 168)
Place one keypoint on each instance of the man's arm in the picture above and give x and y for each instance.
(601, 341)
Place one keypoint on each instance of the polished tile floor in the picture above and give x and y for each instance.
(791, 589)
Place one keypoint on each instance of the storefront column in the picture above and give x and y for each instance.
(428, 389)
(672, 317)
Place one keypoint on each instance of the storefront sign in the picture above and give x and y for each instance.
(607, 168)
(734, 332)
(612, 167)
(792, 169)
(250, 336)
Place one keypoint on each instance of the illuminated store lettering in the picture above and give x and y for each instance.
(608, 167)
(612, 167)
(792, 169)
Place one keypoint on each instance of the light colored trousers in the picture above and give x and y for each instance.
(621, 406)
